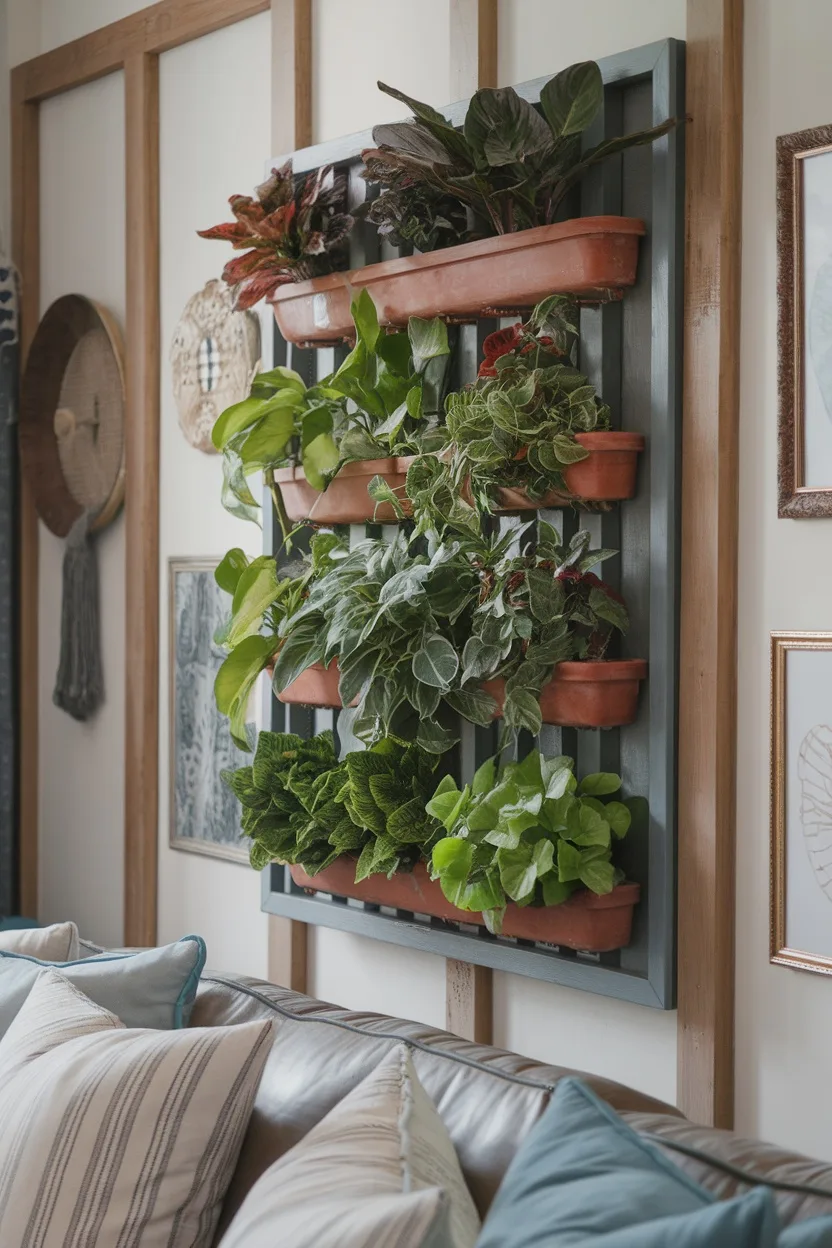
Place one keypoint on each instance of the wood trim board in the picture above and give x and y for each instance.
(710, 460)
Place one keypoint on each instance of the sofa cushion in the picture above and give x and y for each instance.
(488, 1099)
(116, 1136)
(153, 988)
(379, 1171)
(57, 943)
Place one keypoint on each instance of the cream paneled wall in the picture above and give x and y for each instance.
(81, 766)
(215, 123)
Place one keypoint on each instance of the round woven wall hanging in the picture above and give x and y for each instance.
(72, 416)
(214, 355)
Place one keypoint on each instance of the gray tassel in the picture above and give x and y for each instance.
(79, 686)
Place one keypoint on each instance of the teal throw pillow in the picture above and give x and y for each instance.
(583, 1177)
(153, 988)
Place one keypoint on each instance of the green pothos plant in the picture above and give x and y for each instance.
(385, 399)
(527, 832)
(262, 601)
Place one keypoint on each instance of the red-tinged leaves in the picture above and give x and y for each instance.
(229, 232)
(241, 267)
(290, 232)
(260, 286)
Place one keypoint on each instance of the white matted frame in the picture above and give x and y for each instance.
(801, 801)
(203, 689)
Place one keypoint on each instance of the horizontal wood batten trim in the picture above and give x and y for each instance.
(152, 30)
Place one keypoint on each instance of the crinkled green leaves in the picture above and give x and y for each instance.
(530, 833)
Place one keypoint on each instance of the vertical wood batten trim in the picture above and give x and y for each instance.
(288, 940)
(473, 36)
(141, 784)
(469, 990)
(469, 1001)
(25, 154)
(707, 720)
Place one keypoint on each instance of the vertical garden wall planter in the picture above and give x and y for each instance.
(317, 686)
(590, 257)
(595, 924)
(607, 475)
(630, 350)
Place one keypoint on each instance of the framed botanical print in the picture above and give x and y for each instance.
(804, 322)
(801, 800)
(204, 813)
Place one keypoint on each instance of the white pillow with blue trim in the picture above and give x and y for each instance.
(152, 988)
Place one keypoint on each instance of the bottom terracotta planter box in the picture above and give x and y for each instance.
(602, 694)
(317, 686)
(345, 500)
(587, 922)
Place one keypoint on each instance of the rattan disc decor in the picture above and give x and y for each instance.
(72, 415)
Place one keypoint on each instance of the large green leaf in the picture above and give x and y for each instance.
(365, 319)
(230, 568)
(236, 679)
(236, 497)
(609, 609)
(428, 340)
(585, 826)
(599, 784)
(320, 458)
(502, 128)
(618, 817)
(266, 444)
(522, 710)
(257, 589)
(436, 662)
(571, 100)
(438, 125)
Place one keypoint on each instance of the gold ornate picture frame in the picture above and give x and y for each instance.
(801, 801)
(804, 323)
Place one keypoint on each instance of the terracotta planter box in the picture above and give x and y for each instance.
(588, 256)
(607, 475)
(345, 500)
(317, 686)
(587, 922)
(600, 694)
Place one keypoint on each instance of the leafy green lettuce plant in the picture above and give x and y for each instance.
(510, 166)
(385, 399)
(262, 602)
(302, 805)
(527, 832)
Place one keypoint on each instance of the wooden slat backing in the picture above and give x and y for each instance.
(141, 792)
(288, 952)
(154, 29)
(707, 726)
(26, 254)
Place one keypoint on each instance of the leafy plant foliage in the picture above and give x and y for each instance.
(292, 230)
(514, 427)
(527, 832)
(261, 604)
(384, 400)
(509, 168)
(302, 805)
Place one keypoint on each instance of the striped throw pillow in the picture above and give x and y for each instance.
(379, 1171)
(58, 943)
(113, 1136)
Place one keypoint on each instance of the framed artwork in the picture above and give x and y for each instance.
(204, 814)
(801, 800)
(804, 322)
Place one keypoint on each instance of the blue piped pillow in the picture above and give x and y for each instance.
(583, 1177)
(153, 988)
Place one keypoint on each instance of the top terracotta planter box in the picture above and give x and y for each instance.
(589, 257)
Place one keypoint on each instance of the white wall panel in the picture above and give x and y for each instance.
(81, 766)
